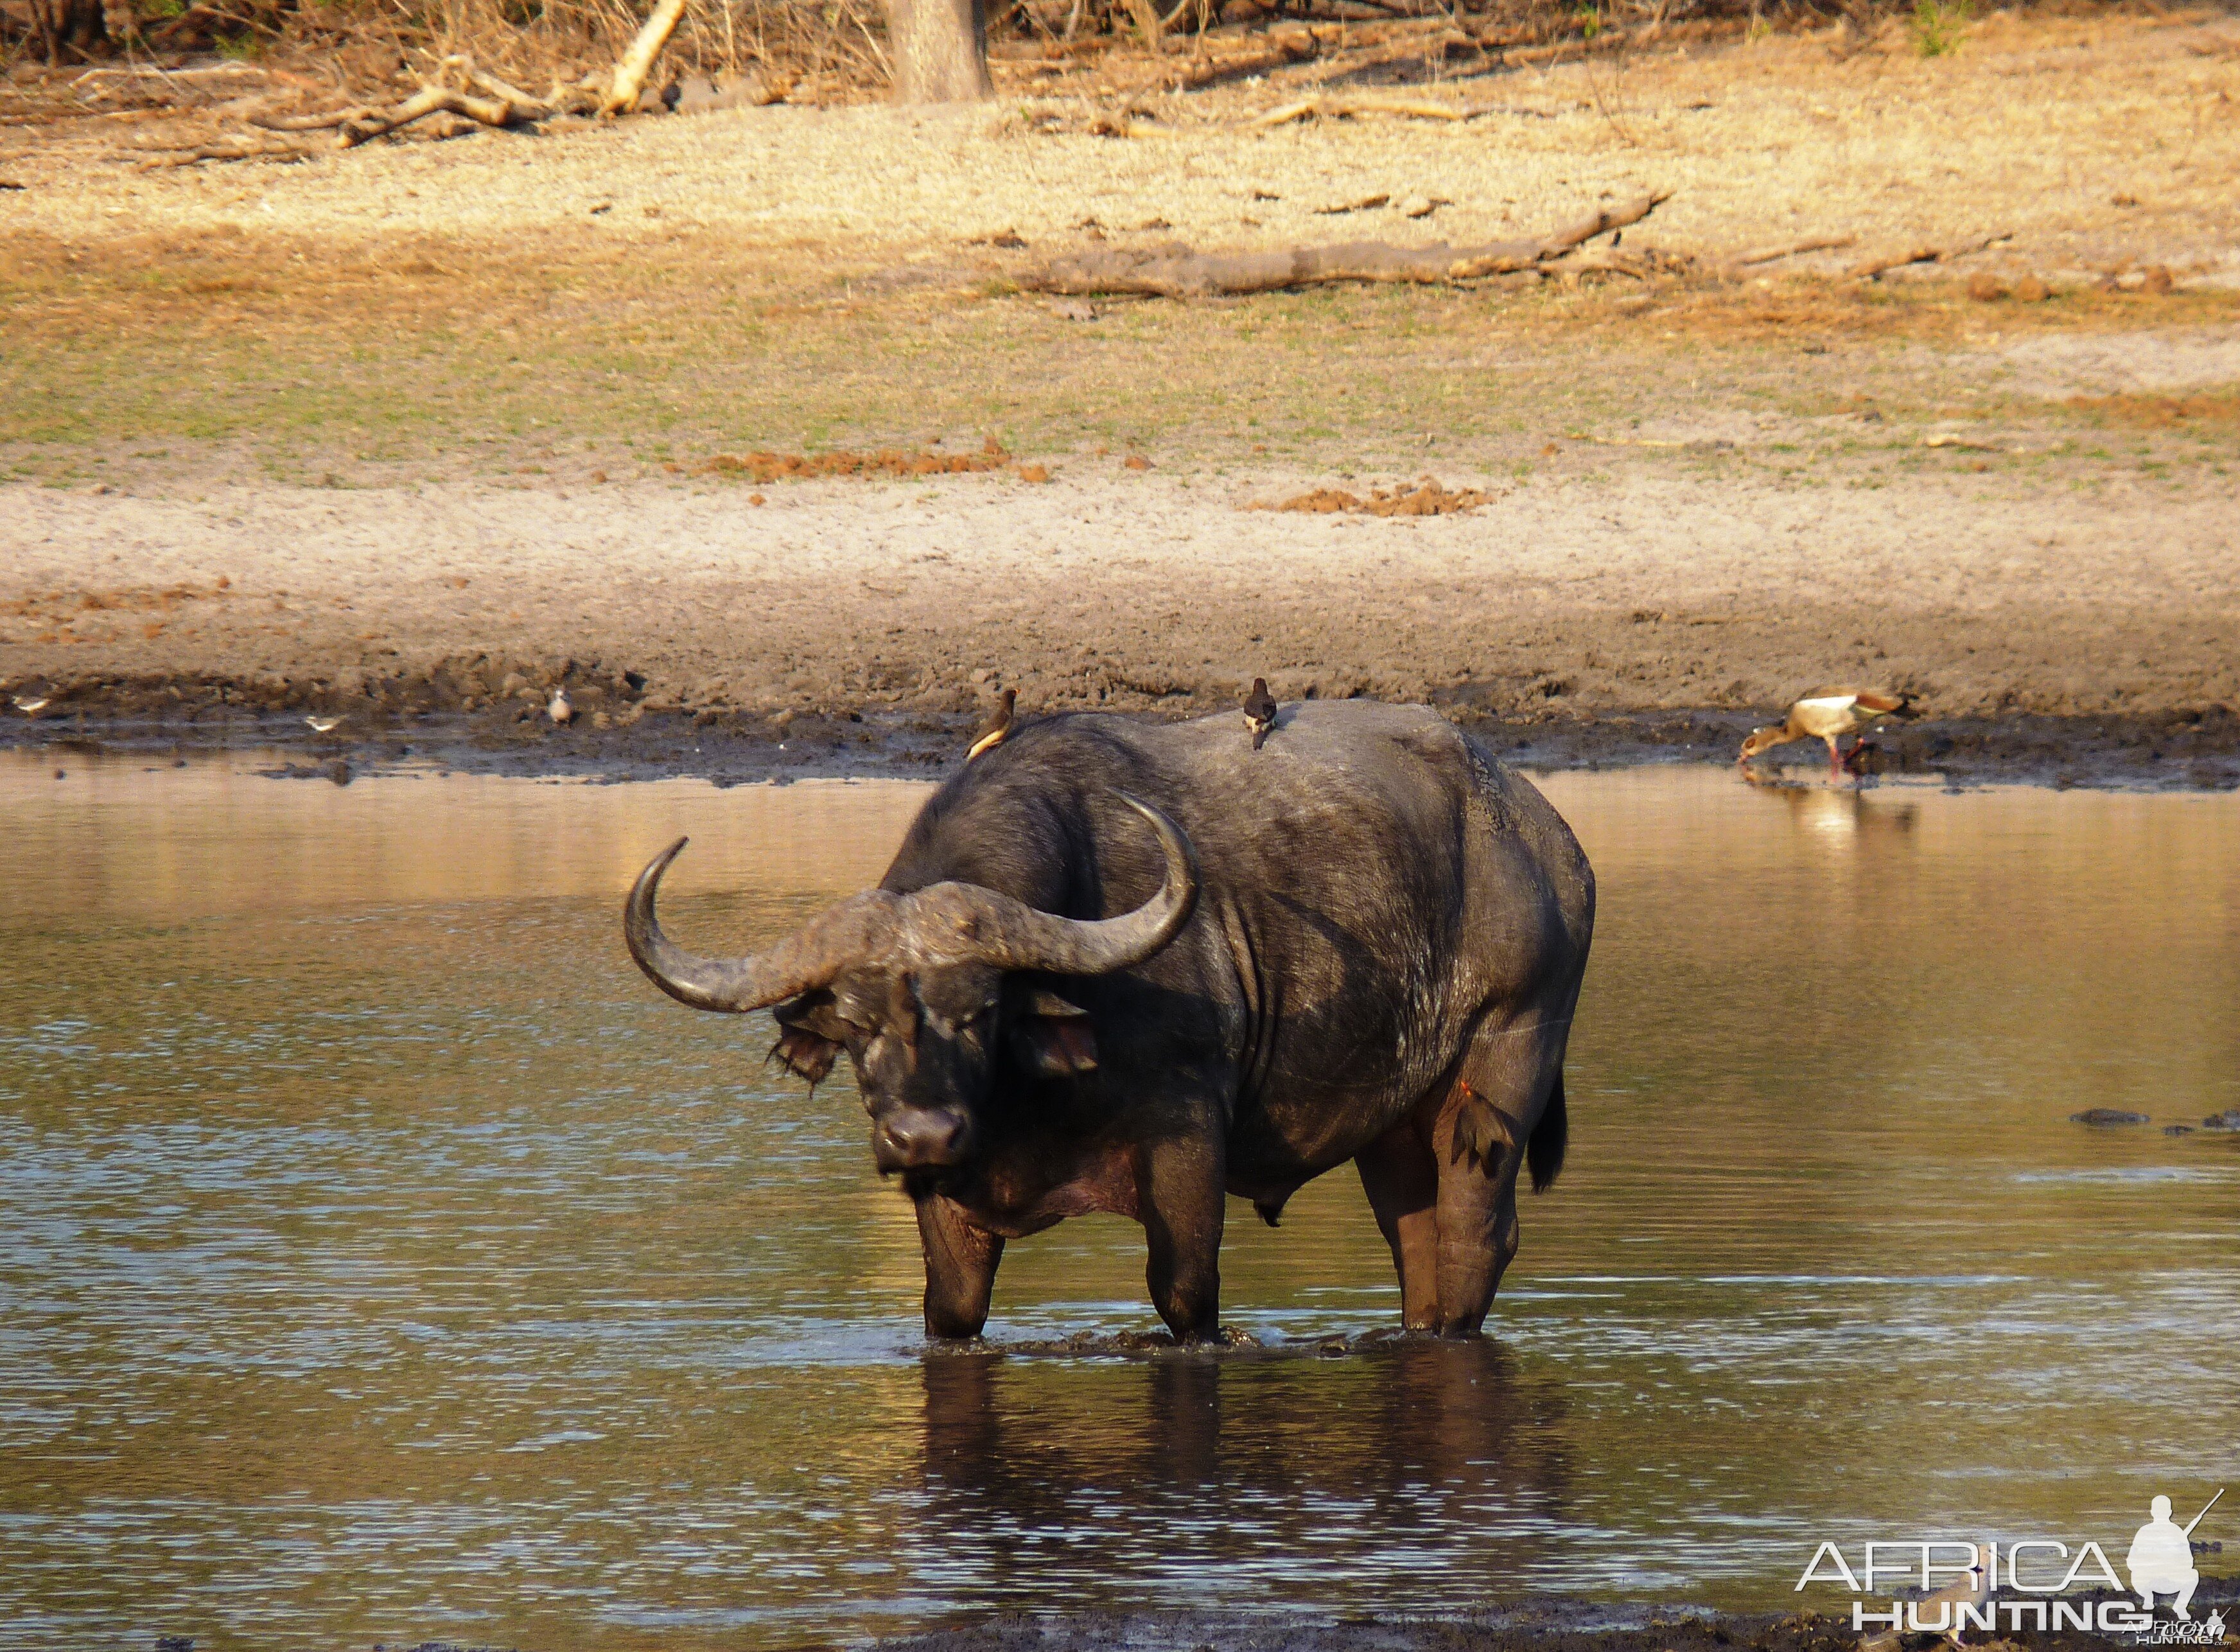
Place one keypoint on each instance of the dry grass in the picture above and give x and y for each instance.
(218, 353)
(2161, 412)
(836, 49)
(622, 293)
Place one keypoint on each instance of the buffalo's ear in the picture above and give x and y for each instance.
(1051, 1038)
(810, 1036)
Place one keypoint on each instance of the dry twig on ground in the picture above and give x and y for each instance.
(1328, 107)
(428, 101)
(197, 153)
(1796, 249)
(1874, 269)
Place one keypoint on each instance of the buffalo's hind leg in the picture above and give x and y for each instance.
(960, 1268)
(1401, 1177)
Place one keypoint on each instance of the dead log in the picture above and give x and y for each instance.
(1286, 50)
(202, 152)
(1796, 249)
(1329, 108)
(1608, 40)
(325, 122)
(525, 106)
(637, 62)
(1874, 269)
(428, 101)
(1175, 271)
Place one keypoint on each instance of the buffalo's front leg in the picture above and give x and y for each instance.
(960, 1268)
(1183, 1203)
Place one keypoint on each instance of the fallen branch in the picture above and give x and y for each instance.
(203, 152)
(1177, 272)
(327, 122)
(525, 106)
(1874, 269)
(1607, 261)
(1328, 108)
(1608, 40)
(637, 62)
(1796, 249)
(428, 101)
(1286, 51)
(460, 70)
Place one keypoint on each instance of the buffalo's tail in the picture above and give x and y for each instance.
(1544, 1153)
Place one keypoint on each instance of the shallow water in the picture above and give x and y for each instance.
(384, 1260)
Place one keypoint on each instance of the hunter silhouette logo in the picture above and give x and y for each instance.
(2161, 1561)
(1962, 1586)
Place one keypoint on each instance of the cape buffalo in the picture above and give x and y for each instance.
(1125, 967)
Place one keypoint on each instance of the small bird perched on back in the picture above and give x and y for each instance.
(996, 729)
(1259, 711)
(1828, 714)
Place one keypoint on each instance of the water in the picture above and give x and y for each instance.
(384, 1260)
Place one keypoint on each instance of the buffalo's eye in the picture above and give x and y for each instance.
(969, 1021)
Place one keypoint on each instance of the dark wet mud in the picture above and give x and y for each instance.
(618, 731)
(1543, 1624)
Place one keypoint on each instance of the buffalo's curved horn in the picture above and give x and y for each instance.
(808, 958)
(1013, 935)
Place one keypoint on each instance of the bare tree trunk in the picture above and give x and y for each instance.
(59, 25)
(940, 50)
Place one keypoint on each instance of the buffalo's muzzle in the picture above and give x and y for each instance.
(919, 1138)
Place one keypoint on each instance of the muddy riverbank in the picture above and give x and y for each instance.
(617, 733)
(1543, 1625)
(1606, 608)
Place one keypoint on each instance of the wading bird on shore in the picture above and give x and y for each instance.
(559, 710)
(1972, 1589)
(1259, 711)
(324, 725)
(996, 729)
(1828, 714)
(30, 705)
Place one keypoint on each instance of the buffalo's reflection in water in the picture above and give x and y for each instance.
(1243, 1469)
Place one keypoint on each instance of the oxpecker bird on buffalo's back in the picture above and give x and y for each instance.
(996, 729)
(1259, 711)
(1133, 967)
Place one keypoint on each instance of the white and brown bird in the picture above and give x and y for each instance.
(1259, 711)
(1939, 1614)
(1828, 714)
(323, 725)
(996, 729)
(558, 709)
(30, 704)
